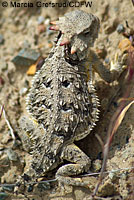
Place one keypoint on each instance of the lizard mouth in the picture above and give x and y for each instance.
(65, 41)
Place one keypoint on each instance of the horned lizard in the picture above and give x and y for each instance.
(62, 101)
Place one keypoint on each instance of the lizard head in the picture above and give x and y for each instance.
(79, 31)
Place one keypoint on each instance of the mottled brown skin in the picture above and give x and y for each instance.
(62, 101)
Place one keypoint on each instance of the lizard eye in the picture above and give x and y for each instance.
(87, 32)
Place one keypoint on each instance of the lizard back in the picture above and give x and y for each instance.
(61, 100)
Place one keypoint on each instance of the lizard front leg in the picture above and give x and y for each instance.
(108, 74)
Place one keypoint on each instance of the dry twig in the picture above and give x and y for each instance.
(8, 124)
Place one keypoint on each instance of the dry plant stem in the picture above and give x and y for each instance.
(8, 124)
(53, 180)
(2, 107)
(100, 140)
(118, 116)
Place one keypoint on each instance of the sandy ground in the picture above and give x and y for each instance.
(20, 28)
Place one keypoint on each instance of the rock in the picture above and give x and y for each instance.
(5, 138)
(26, 57)
(97, 165)
(9, 188)
(107, 189)
(41, 20)
(12, 155)
(1, 39)
(44, 186)
(120, 28)
(79, 194)
(11, 175)
(107, 61)
(32, 70)
(113, 176)
(125, 45)
(3, 195)
(23, 91)
(47, 21)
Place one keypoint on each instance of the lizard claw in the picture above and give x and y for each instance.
(118, 63)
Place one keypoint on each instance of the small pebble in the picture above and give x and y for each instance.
(30, 188)
(47, 21)
(26, 57)
(107, 61)
(12, 155)
(79, 194)
(97, 165)
(23, 91)
(112, 176)
(120, 28)
(124, 176)
(41, 20)
(1, 39)
(44, 186)
(9, 188)
(6, 137)
(3, 195)
(32, 70)
(124, 45)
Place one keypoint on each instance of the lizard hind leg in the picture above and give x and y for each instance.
(80, 163)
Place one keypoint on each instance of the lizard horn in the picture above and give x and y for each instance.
(73, 50)
(55, 28)
(64, 41)
(54, 22)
